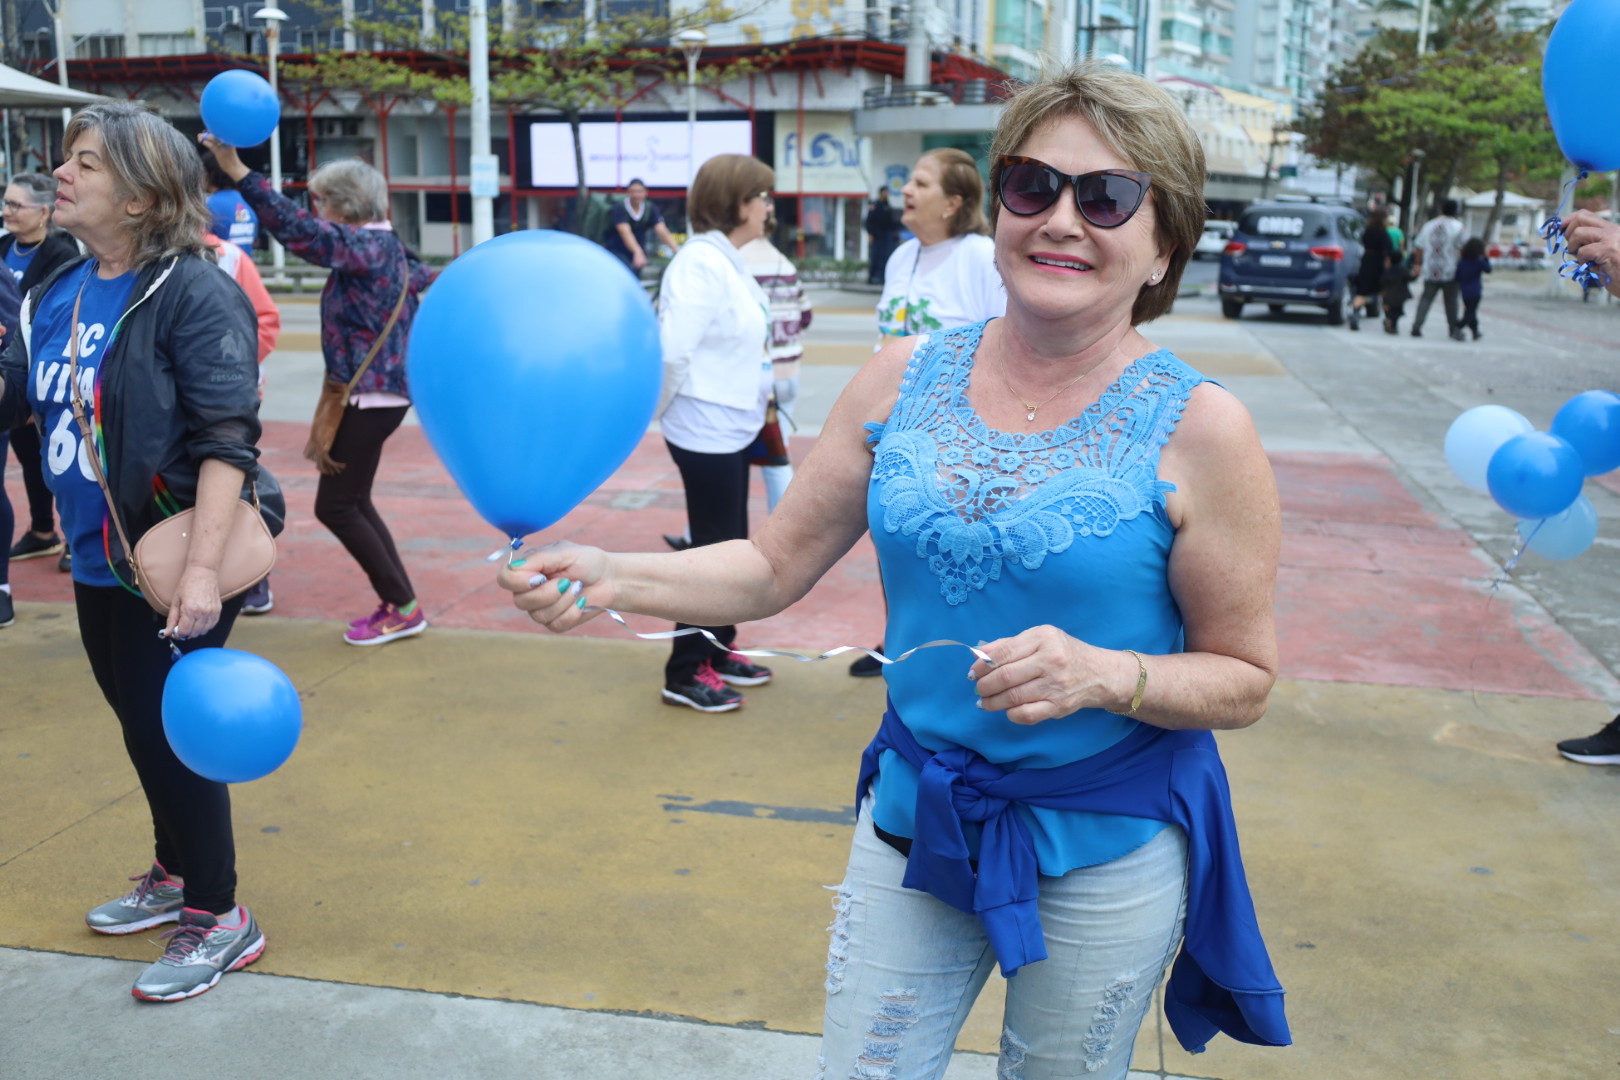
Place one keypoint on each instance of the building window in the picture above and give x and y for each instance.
(101, 47)
(166, 44)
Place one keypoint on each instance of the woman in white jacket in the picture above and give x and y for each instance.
(715, 324)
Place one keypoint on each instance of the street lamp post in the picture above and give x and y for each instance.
(1410, 210)
(272, 17)
(691, 43)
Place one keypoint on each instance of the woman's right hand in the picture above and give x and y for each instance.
(556, 583)
(227, 157)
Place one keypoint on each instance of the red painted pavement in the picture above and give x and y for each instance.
(1372, 589)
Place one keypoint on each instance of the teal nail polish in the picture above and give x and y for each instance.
(581, 604)
(515, 562)
(562, 585)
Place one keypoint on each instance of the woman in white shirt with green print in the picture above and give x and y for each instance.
(945, 276)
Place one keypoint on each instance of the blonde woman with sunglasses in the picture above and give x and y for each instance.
(1102, 523)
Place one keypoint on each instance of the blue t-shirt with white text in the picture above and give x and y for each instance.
(65, 457)
(234, 219)
(17, 259)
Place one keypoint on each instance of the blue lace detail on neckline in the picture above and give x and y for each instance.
(975, 498)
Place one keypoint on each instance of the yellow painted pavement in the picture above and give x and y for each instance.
(517, 816)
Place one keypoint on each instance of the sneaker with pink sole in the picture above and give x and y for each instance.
(385, 625)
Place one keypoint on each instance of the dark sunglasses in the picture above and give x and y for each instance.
(1106, 198)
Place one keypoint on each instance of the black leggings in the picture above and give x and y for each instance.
(191, 817)
(717, 509)
(25, 441)
(343, 502)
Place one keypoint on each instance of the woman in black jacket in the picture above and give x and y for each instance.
(165, 347)
(1376, 251)
(32, 248)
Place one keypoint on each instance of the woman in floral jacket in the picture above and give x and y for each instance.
(371, 268)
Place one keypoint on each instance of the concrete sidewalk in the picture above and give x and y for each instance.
(495, 854)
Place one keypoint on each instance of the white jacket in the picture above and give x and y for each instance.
(714, 323)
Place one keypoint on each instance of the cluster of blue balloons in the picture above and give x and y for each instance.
(1537, 475)
(230, 716)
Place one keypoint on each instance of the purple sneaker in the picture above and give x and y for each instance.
(387, 625)
(362, 620)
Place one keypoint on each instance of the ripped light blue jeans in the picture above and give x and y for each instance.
(903, 968)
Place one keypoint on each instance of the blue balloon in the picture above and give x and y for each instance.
(534, 364)
(239, 108)
(1536, 475)
(1578, 63)
(1590, 422)
(1477, 434)
(229, 715)
(1565, 535)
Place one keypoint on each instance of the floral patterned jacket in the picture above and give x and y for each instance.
(369, 266)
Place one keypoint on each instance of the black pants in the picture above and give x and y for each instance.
(25, 440)
(1448, 291)
(1470, 316)
(191, 816)
(717, 509)
(343, 502)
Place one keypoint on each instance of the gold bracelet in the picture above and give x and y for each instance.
(1141, 686)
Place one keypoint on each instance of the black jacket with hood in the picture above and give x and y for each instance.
(179, 385)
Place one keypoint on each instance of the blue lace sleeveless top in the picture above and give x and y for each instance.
(982, 534)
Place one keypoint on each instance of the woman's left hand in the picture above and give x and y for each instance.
(195, 608)
(1043, 672)
(228, 158)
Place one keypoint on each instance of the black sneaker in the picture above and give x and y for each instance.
(705, 693)
(65, 563)
(32, 547)
(679, 543)
(1416, 332)
(258, 599)
(8, 615)
(735, 670)
(866, 667)
(1600, 749)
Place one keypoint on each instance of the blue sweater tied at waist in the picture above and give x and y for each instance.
(1222, 979)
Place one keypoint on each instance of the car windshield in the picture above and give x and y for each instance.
(1283, 223)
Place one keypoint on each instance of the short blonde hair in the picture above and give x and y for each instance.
(1142, 124)
(354, 192)
(959, 175)
(149, 161)
(721, 186)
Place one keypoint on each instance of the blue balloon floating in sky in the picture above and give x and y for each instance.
(229, 715)
(239, 108)
(1579, 61)
(535, 365)
(1477, 434)
(1535, 475)
(1565, 535)
(1590, 422)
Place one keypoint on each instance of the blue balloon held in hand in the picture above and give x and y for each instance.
(535, 366)
(1579, 60)
(229, 715)
(1477, 434)
(1565, 535)
(1590, 422)
(1535, 475)
(239, 108)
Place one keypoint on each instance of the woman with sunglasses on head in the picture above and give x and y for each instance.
(32, 248)
(1104, 521)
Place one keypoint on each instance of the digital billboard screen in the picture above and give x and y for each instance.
(660, 153)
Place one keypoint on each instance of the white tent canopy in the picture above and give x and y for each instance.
(18, 89)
